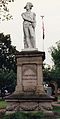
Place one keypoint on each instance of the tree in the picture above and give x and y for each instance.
(7, 80)
(46, 73)
(55, 53)
(4, 11)
(54, 73)
(7, 53)
(7, 63)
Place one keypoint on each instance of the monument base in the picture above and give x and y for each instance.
(29, 49)
(29, 94)
(25, 102)
(30, 72)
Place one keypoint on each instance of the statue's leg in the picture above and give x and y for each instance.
(27, 40)
(25, 43)
(32, 34)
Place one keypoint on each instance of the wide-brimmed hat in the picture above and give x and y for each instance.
(30, 4)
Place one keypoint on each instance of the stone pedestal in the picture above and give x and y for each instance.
(29, 94)
(29, 72)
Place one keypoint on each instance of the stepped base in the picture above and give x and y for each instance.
(29, 102)
(26, 96)
(29, 94)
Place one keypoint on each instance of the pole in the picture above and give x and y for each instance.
(43, 31)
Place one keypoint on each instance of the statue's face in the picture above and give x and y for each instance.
(27, 7)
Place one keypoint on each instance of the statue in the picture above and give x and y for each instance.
(29, 24)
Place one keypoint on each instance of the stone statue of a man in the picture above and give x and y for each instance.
(29, 24)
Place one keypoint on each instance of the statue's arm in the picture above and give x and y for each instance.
(34, 21)
(26, 18)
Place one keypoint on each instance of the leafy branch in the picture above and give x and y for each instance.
(4, 10)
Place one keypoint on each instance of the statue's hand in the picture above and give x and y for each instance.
(33, 25)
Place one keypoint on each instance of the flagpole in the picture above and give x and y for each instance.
(43, 31)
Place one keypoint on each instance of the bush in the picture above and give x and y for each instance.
(22, 115)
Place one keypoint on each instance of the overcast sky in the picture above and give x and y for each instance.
(51, 11)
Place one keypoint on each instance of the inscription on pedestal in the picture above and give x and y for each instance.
(29, 76)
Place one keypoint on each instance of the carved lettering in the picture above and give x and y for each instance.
(29, 77)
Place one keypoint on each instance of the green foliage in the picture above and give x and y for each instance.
(8, 80)
(7, 53)
(54, 73)
(7, 63)
(22, 115)
(4, 10)
(55, 53)
(46, 74)
(3, 104)
(56, 108)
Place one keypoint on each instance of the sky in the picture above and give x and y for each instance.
(50, 9)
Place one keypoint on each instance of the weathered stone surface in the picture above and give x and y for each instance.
(29, 72)
(2, 112)
(29, 23)
(29, 94)
(28, 105)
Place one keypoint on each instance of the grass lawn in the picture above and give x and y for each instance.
(22, 115)
(3, 104)
(58, 97)
(56, 109)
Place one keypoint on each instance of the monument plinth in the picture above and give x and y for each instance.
(29, 94)
(29, 72)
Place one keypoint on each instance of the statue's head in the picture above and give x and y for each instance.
(29, 5)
